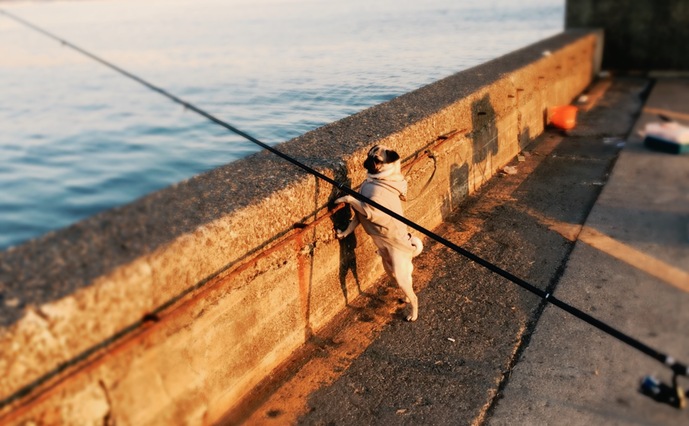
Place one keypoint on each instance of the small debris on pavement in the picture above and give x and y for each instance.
(274, 413)
(451, 339)
(509, 170)
(619, 143)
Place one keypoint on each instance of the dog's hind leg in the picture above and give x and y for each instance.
(386, 258)
(403, 268)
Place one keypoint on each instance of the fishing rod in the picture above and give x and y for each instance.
(678, 369)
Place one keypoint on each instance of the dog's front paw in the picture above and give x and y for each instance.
(345, 199)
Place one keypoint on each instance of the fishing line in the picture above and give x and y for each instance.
(677, 367)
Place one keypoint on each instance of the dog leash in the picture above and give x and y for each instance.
(430, 154)
(676, 367)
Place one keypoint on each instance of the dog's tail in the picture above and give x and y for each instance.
(417, 244)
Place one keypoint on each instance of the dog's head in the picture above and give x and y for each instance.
(381, 158)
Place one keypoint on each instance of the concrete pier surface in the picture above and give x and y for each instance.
(630, 268)
(590, 215)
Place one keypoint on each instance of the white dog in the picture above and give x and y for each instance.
(386, 185)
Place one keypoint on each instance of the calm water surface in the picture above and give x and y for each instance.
(76, 138)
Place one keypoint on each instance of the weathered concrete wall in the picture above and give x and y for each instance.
(640, 35)
(173, 308)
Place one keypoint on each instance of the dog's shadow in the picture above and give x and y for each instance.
(340, 219)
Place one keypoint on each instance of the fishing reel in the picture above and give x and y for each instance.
(672, 395)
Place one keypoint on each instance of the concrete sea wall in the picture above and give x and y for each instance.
(172, 309)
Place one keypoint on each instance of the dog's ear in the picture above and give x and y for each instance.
(370, 165)
(377, 152)
(391, 156)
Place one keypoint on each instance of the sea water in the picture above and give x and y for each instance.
(76, 138)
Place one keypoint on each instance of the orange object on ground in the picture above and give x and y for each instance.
(564, 117)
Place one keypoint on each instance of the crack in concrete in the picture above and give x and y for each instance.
(108, 418)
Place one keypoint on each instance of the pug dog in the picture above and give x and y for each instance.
(386, 185)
